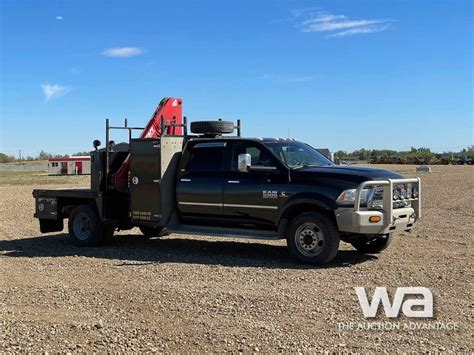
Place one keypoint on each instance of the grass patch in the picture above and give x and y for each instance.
(29, 162)
(36, 178)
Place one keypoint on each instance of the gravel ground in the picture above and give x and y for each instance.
(202, 294)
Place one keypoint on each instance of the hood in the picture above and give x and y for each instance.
(348, 174)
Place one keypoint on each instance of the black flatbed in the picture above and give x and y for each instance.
(79, 193)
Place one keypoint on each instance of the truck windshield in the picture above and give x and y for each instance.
(297, 154)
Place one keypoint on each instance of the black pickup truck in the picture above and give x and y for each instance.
(212, 184)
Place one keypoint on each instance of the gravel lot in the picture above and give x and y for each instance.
(204, 294)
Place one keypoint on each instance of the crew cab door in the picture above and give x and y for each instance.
(252, 199)
(200, 182)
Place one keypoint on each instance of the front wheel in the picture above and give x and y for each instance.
(373, 245)
(313, 238)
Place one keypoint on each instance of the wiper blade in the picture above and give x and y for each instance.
(306, 165)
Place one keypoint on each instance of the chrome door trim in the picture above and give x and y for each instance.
(200, 204)
(251, 206)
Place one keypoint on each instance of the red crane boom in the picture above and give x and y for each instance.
(171, 110)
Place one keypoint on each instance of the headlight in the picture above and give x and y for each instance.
(396, 194)
(403, 193)
(347, 197)
(399, 192)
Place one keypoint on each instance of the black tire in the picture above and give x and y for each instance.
(212, 127)
(373, 245)
(86, 228)
(313, 238)
(151, 232)
(107, 232)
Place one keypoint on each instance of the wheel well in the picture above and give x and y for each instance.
(299, 208)
(68, 204)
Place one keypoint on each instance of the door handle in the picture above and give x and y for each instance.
(233, 182)
(185, 180)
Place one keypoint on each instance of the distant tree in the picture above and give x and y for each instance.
(60, 156)
(340, 154)
(80, 153)
(470, 152)
(6, 158)
(44, 155)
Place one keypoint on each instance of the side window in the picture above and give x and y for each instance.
(205, 160)
(259, 156)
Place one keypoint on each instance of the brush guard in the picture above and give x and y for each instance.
(357, 219)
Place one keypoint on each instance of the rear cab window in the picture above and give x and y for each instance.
(205, 157)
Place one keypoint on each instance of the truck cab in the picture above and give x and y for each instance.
(210, 183)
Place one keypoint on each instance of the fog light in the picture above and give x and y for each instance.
(375, 219)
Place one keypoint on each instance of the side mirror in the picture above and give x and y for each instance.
(96, 143)
(244, 162)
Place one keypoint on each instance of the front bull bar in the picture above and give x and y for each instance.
(388, 200)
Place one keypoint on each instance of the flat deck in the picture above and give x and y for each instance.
(79, 193)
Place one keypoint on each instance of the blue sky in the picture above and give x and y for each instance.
(337, 74)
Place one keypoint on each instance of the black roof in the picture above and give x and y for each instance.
(258, 139)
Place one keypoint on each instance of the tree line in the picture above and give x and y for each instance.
(5, 158)
(413, 156)
(374, 156)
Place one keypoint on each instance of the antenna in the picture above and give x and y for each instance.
(289, 155)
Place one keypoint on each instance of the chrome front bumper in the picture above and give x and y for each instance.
(356, 219)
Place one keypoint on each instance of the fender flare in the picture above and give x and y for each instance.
(320, 201)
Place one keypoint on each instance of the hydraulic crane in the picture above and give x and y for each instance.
(171, 110)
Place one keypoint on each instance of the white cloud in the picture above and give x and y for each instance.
(340, 25)
(360, 30)
(59, 18)
(288, 78)
(53, 91)
(122, 52)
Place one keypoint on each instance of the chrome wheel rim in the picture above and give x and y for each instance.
(309, 239)
(82, 226)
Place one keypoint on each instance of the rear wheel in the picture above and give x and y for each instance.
(86, 228)
(151, 232)
(313, 238)
(372, 245)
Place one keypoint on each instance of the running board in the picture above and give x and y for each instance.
(223, 232)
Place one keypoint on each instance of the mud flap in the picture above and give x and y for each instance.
(51, 225)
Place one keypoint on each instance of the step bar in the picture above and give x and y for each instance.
(223, 232)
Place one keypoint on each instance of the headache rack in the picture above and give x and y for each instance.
(388, 201)
(163, 124)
